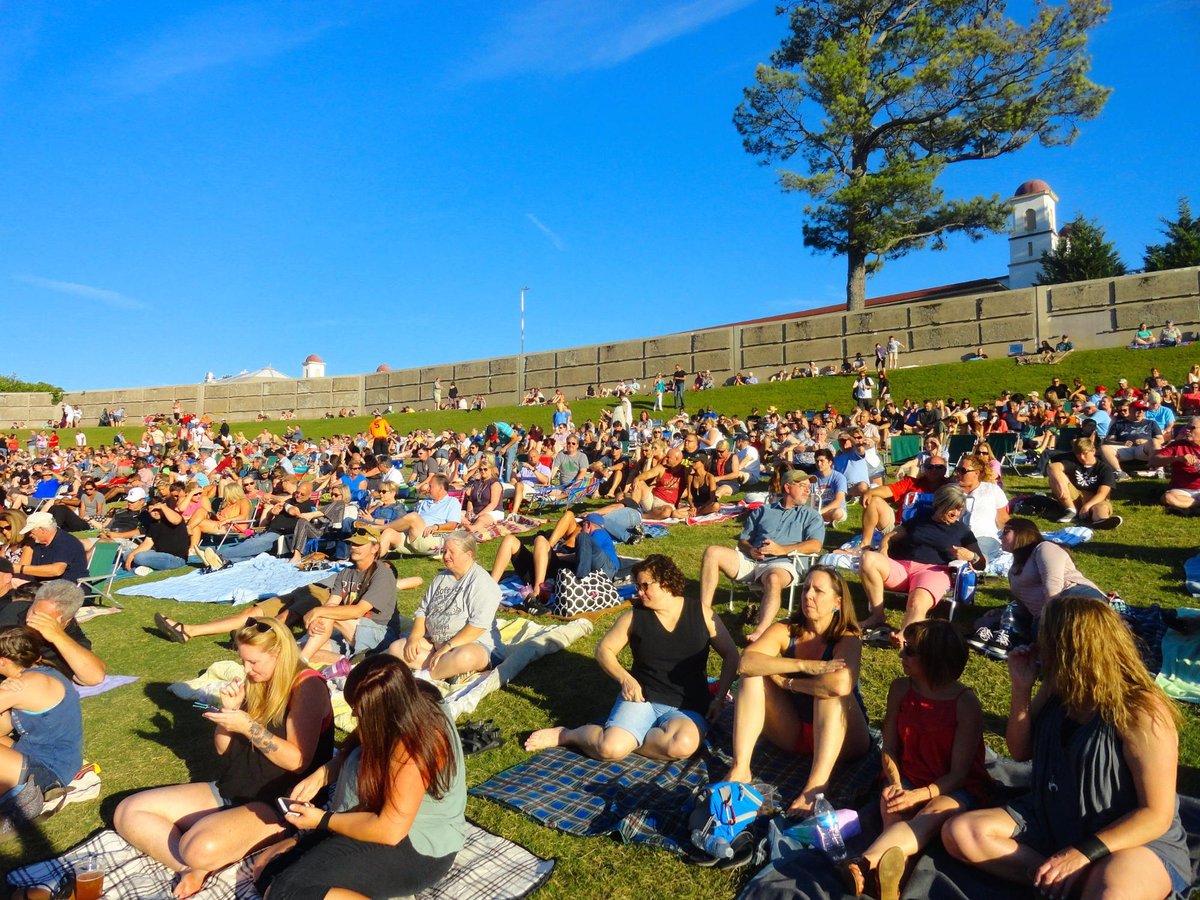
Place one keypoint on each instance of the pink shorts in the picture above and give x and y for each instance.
(904, 575)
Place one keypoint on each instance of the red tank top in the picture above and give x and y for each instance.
(668, 486)
(925, 728)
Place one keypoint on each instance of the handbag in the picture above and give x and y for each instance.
(591, 593)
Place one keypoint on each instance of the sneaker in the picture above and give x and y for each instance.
(1107, 524)
(142, 571)
(981, 638)
(84, 786)
(636, 535)
(999, 645)
(1066, 517)
(339, 669)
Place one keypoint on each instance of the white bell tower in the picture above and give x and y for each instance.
(314, 367)
(1034, 231)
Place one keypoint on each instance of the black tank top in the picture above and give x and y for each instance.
(248, 774)
(672, 666)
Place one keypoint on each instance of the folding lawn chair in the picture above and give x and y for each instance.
(903, 447)
(958, 446)
(1007, 448)
(103, 564)
(798, 560)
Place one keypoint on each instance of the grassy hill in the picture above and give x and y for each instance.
(142, 736)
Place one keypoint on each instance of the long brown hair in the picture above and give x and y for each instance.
(1089, 658)
(397, 712)
(844, 619)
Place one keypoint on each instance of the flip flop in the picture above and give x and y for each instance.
(172, 632)
(879, 636)
(889, 872)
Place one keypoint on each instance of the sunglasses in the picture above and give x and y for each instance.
(362, 532)
(262, 626)
(961, 471)
(643, 586)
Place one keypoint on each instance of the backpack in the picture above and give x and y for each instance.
(723, 813)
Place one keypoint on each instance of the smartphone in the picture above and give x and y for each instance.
(284, 804)
(206, 707)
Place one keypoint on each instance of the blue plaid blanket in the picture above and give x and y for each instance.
(647, 801)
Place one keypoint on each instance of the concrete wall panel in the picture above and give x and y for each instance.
(1155, 313)
(718, 339)
(1156, 285)
(672, 345)
(1078, 296)
(825, 325)
(503, 365)
(756, 335)
(943, 311)
(764, 357)
(1007, 303)
(503, 385)
(376, 380)
(405, 378)
(576, 375)
(716, 361)
(540, 362)
(821, 351)
(469, 387)
(475, 369)
(377, 398)
(941, 337)
(1012, 329)
(620, 351)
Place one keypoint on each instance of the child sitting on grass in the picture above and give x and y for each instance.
(932, 755)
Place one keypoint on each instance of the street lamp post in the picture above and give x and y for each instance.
(521, 358)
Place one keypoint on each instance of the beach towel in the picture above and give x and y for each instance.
(1071, 536)
(244, 582)
(109, 682)
(487, 868)
(726, 512)
(647, 801)
(1179, 674)
(512, 524)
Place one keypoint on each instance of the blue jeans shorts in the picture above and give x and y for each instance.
(639, 718)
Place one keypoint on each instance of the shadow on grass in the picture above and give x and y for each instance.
(181, 729)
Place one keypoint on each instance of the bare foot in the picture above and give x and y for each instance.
(543, 738)
(739, 776)
(190, 882)
(801, 807)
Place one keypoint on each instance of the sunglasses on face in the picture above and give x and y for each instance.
(643, 586)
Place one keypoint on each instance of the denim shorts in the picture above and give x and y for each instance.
(639, 718)
(368, 634)
(222, 802)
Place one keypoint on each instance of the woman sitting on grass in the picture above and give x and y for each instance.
(1102, 819)
(272, 730)
(665, 705)
(799, 687)
(700, 489)
(41, 728)
(397, 818)
(932, 756)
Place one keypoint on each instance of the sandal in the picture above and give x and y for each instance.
(853, 874)
(172, 631)
(879, 636)
(889, 872)
(478, 737)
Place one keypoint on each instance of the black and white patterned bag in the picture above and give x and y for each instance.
(591, 593)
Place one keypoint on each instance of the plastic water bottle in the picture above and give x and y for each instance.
(964, 585)
(1008, 618)
(831, 831)
(718, 848)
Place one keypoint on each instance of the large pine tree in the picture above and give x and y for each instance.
(1182, 245)
(1082, 253)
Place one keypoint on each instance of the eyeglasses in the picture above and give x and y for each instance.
(262, 626)
(961, 471)
(643, 586)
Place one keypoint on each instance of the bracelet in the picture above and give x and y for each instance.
(323, 825)
(1093, 848)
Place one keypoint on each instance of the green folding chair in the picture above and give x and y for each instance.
(102, 569)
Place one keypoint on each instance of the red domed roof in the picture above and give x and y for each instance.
(383, 367)
(1033, 186)
(312, 357)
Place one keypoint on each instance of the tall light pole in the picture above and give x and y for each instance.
(521, 358)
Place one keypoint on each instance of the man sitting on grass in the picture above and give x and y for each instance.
(51, 614)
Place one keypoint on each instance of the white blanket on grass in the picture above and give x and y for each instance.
(243, 582)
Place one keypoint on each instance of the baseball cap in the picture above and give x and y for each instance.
(364, 534)
(39, 520)
(134, 494)
(594, 519)
(741, 436)
(1138, 404)
(794, 475)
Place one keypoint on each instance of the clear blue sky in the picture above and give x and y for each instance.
(188, 187)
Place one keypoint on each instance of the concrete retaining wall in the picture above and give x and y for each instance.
(1101, 313)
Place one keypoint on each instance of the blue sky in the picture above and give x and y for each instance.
(188, 187)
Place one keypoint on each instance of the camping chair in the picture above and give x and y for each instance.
(914, 501)
(103, 564)
(543, 500)
(957, 447)
(248, 522)
(903, 447)
(1007, 448)
(802, 561)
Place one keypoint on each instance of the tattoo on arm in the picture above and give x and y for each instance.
(262, 739)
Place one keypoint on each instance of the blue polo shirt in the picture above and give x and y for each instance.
(783, 526)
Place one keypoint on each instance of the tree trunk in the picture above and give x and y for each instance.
(856, 281)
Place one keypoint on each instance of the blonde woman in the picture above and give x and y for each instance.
(233, 516)
(1102, 818)
(11, 541)
(273, 728)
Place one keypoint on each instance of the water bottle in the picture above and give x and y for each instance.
(718, 848)
(830, 830)
(964, 585)
(1008, 619)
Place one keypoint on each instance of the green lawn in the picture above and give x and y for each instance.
(142, 736)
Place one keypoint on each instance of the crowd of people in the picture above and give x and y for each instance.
(190, 493)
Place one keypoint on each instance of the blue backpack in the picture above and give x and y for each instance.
(721, 818)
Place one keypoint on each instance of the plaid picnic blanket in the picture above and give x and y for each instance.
(647, 801)
(487, 868)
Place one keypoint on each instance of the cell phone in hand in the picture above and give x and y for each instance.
(284, 804)
(206, 707)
